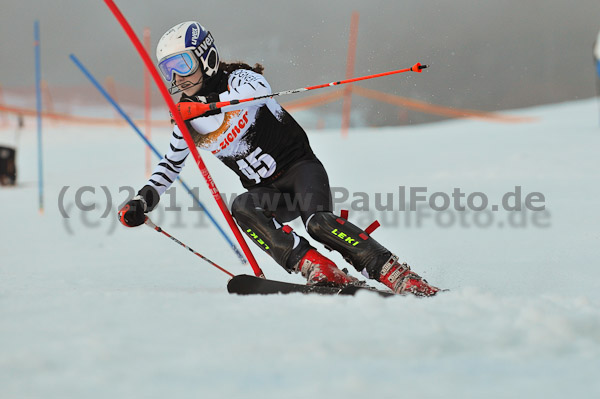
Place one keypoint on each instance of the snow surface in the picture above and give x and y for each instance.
(91, 309)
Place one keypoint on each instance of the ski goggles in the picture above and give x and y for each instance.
(183, 64)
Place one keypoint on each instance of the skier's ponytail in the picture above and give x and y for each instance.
(229, 67)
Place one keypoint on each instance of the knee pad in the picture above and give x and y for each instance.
(280, 242)
(242, 206)
(356, 246)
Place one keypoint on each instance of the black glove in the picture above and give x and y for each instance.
(134, 212)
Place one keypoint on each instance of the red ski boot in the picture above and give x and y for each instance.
(320, 270)
(400, 279)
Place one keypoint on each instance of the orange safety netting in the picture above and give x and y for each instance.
(301, 104)
(73, 118)
(438, 109)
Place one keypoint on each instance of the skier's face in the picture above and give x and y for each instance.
(190, 84)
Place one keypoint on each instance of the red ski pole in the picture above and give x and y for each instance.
(191, 110)
(150, 224)
(186, 134)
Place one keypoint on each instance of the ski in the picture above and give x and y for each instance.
(244, 284)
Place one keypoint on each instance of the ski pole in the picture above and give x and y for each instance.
(191, 110)
(150, 224)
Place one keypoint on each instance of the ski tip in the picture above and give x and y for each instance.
(418, 67)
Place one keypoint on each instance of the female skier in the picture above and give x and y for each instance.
(270, 152)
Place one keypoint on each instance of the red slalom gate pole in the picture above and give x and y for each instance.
(186, 134)
(147, 106)
(192, 110)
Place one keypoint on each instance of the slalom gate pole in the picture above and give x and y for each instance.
(350, 59)
(598, 82)
(186, 134)
(149, 145)
(597, 65)
(38, 102)
(192, 110)
(147, 105)
(150, 224)
(598, 89)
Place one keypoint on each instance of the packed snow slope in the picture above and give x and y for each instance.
(91, 309)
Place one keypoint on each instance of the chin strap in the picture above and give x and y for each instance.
(174, 89)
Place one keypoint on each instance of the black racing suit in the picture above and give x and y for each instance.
(271, 154)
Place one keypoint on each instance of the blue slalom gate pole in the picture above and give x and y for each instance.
(597, 61)
(154, 150)
(598, 81)
(598, 84)
(38, 102)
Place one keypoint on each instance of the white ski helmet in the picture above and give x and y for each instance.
(184, 48)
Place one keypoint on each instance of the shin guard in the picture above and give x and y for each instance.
(354, 244)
